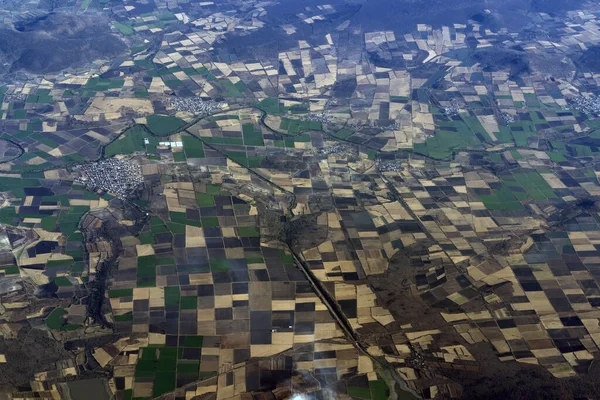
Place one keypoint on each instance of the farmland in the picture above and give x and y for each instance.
(223, 200)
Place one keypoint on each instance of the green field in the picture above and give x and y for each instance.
(164, 125)
(147, 238)
(181, 218)
(475, 126)
(61, 281)
(252, 136)
(451, 136)
(377, 390)
(49, 223)
(231, 89)
(188, 302)
(294, 126)
(223, 117)
(224, 140)
(573, 150)
(114, 293)
(188, 368)
(210, 222)
(219, 264)
(344, 133)
(99, 84)
(146, 271)
(241, 158)
(69, 221)
(270, 105)
(20, 114)
(286, 258)
(124, 317)
(13, 270)
(132, 141)
(17, 185)
(517, 187)
(125, 29)
(521, 132)
(171, 295)
(301, 138)
(179, 156)
(160, 364)
(587, 147)
(56, 321)
(536, 187)
(205, 200)
(248, 231)
(501, 199)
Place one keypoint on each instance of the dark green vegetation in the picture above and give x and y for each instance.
(252, 135)
(120, 293)
(270, 106)
(69, 220)
(451, 136)
(160, 364)
(61, 281)
(123, 28)
(534, 118)
(248, 231)
(132, 141)
(233, 89)
(241, 158)
(582, 147)
(100, 84)
(57, 322)
(442, 145)
(164, 366)
(192, 147)
(377, 390)
(294, 126)
(164, 125)
(65, 220)
(517, 187)
(146, 272)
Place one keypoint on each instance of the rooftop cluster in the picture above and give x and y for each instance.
(116, 176)
(587, 104)
(193, 105)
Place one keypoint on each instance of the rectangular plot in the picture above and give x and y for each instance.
(192, 147)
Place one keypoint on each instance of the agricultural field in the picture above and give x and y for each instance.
(225, 200)
(517, 187)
